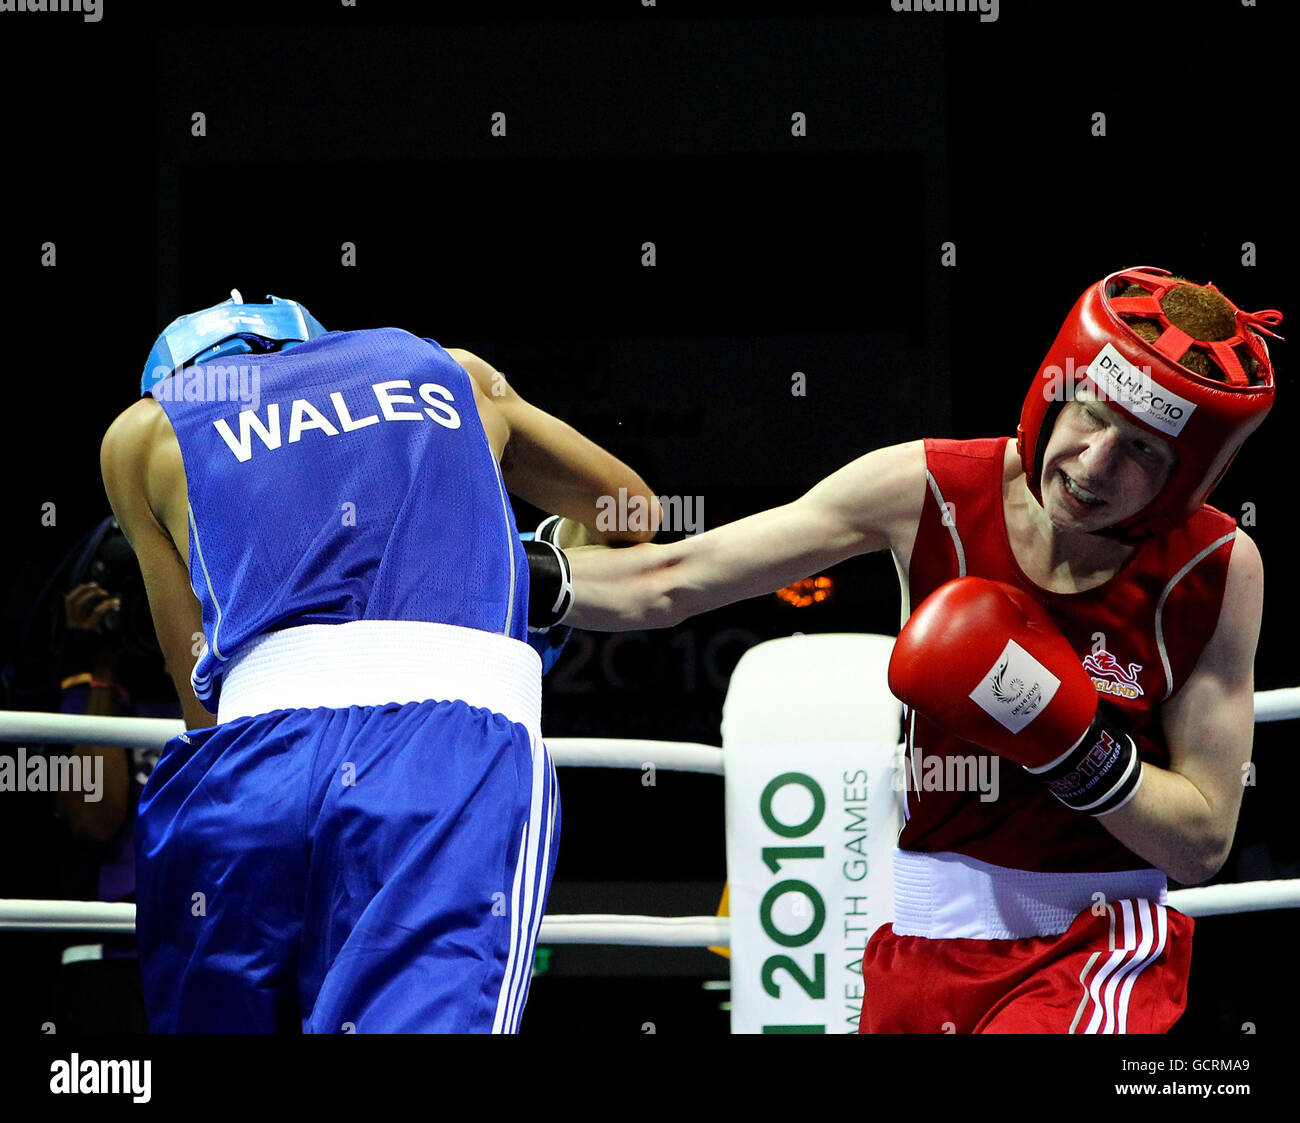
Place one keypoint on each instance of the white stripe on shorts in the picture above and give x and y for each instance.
(526, 893)
(1111, 986)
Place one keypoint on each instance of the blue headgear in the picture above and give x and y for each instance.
(229, 328)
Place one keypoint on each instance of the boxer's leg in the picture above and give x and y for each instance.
(1124, 971)
(433, 847)
(220, 874)
(912, 984)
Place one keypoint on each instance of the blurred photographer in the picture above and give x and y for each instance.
(110, 665)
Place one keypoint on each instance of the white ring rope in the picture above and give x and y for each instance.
(83, 729)
(640, 931)
(154, 732)
(1245, 896)
(1277, 705)
(647, 931)
(605, 752)
(589, 752)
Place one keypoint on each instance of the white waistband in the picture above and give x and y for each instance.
(374, 662)
(942, 896)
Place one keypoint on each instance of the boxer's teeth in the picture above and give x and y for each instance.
(1078, 492)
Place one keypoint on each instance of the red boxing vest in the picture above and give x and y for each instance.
(1139, 635)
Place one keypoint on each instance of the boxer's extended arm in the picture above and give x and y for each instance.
(124, 459)
(1183, 818)
(868, 505)
(553, 466)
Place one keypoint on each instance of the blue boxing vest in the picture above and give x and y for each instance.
(347, 478)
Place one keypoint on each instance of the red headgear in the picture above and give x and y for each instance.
(1205, 420)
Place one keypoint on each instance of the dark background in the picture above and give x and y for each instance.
(776, 254)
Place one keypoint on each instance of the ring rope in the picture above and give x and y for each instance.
(589, 752)
(593, 751)
(154, 732)
(640, 931)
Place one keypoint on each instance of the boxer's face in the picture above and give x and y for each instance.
(1099, 467)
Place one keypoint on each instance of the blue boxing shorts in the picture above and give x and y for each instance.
(328, 861)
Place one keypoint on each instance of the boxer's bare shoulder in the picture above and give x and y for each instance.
(875, 501)
(899, 496)
(490, 388)
(142, 465)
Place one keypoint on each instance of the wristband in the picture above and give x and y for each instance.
(550, 585)
(87, 679)
(1100, 774)
(548, 530)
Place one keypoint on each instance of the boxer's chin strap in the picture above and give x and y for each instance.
(550, 585)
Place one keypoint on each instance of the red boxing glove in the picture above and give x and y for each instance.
(983, 661)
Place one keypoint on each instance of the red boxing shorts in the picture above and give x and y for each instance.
(1119, 968)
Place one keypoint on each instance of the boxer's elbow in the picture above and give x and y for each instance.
(646, 534)
(650, 601)
(1215, 861)
(1215, 846)
(659, 596)
(677, 595)
(665, 611)
(644, 516)
(1202, 865)
(1191, 875)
